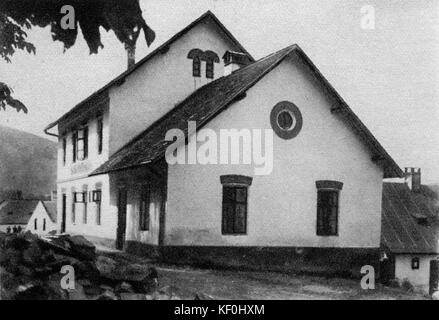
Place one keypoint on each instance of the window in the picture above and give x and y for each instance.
(144, 206)
(286, 120)
(96, 198)
(44, 224)
(100, 134)
(82, 144)
(415, 263)
(35, 224)
(64, 150)
(234, 211)
(74, 140)
(327, 207)
(209, 69)
(211, 58)
(196, 67)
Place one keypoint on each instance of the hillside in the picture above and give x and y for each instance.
(27, 162)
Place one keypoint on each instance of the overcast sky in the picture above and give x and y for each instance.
(389, 75)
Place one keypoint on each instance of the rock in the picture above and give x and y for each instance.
(33, 292)
(78, 293)
(82, 248)
(33, 254)
(435, 295)
(202, 296)
(107, 267)
(132, 296)
(107, 295)
(124, 287)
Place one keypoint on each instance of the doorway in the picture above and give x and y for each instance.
(121, 218)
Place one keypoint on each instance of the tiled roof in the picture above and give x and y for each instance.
(402, 228)
(17, 211)
(209, 100)
(50, 207)
(101, 95)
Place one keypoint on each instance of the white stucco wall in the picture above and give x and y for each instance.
(107, 228)
(40, 215)
(161, 83)
(419, 278)
(282, 205)
(81, 168)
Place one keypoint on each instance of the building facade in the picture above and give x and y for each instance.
(318, 205)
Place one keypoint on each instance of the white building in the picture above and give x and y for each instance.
(15, 214)
(318, 208)
(43, 218)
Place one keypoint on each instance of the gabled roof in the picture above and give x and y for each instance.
(93, 100)
(404, 215)
(50, 207)
(211, 99)
(17, 211)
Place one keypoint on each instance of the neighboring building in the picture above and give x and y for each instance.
(410, 232)
(15, 214)
(43, 218)
(319, 209)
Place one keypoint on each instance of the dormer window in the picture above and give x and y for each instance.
(210, 57)
(198, 56)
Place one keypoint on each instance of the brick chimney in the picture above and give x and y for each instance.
(234, 61)
(412, 178)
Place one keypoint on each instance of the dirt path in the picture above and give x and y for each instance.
(238, 285)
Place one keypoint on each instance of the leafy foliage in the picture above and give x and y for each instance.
(123, 17)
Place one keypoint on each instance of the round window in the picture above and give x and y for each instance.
(286, 120)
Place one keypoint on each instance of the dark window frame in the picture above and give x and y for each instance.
(415, 263)
(44, 224)
(196, 67)
(234, 187)
(64, 150)
(328, 208)
(145, 208)
(74, 142)
(81, 144)
(35, 224)
(100, 129)
(210, 69)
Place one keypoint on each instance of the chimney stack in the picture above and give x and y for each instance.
(412, 178)
(131, 54)
(234, 61)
